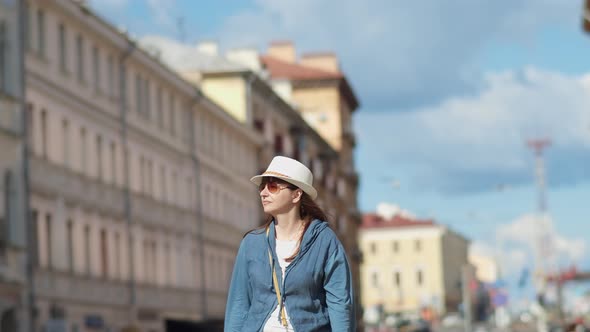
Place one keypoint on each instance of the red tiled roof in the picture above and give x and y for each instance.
(371, 220)
(279, 69)
(282, 69)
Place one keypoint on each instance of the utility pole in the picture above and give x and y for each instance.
(29, 303)
(541, 246)
(466, 278)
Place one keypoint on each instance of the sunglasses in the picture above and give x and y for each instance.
(273, 187)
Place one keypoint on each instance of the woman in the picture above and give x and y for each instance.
(291, 274)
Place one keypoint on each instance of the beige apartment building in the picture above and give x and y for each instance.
(253, 89)
(317, 88)
(410, 264)
(139, 182)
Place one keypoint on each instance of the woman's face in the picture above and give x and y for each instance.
(276, 195)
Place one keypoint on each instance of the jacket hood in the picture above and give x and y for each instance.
(311, 234)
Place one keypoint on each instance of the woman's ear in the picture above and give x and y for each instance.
(296, 195)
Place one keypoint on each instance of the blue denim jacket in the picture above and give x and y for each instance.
(317, 287)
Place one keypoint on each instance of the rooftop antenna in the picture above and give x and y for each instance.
(181, 30)
(538, 146)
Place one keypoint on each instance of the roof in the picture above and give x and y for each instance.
(280, 69)
(372, 220)
(183, 58)
(293, 71)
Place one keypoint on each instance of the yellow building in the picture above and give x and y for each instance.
(317, 88)
(486, 268)
(410, 264)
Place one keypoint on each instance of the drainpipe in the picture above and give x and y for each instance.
(131, 46)
(30, 297)
(199, 213)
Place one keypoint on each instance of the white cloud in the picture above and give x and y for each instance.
(399, 52)
(478, 141)
(514, 244)
(510, 261)
(389, 210)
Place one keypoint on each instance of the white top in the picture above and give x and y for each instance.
(284, 250)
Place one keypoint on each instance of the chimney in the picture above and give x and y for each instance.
(326, 61)
(282, 50)
(208, 47)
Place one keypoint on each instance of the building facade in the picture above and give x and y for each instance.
(317, 88)
(251, 89)
(410, 265)
(139, 183)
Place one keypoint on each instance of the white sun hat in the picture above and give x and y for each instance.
(289, 170)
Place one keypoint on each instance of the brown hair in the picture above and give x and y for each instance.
(308, 211)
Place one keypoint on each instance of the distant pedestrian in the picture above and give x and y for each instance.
(291, 274)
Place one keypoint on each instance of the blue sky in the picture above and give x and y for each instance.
(450, 92)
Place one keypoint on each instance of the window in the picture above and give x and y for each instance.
(87, 248)
(146, 95)
(397, 278)
(117, 272)
(96, 67)
(146, 258)
(104, 254)
(35, 246)
(168, 265)
(159, 109)
(31, 124)
(49, 242)
(150, 177)
(62, 48)
(70, 244)
(373, 247)
(172, 115)
(44, 136)
(80, 56)
(83, 162)
(375, 279)
(278, 144)
(65, 127)
(111, 78)
(175, 187)
(138, 93)
(3, 56)
(163, 183)
(419, 277)
(99, 158)
(189, 185)
(123, 84)
(395, 246)
(141, 174)
(418, 245)
(113, 164)
(41, 32)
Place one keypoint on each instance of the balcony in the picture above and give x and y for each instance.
(68, 287)
(9, 111)
(56, 181)
(53, 180)
(149, 211)
(65, 286)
